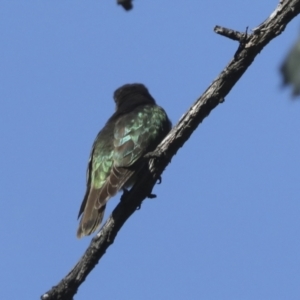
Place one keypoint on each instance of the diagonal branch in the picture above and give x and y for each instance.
(250, 46)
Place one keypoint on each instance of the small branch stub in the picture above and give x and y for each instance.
(229, 33)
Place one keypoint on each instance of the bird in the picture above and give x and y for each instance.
(117, 157)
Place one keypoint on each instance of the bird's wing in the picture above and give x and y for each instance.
(131, 141)
(114, 152)
(113, 164)
(99, 167)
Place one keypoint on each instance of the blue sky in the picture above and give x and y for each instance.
(225, 224)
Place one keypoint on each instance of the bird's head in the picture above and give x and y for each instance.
(132, 95)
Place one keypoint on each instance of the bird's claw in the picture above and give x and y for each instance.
(152, 154)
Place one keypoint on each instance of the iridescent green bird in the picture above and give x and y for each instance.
(136, 128)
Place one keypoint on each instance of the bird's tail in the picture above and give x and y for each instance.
(94, 203)
(91, 220)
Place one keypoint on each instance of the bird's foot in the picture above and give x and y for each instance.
(153, 154)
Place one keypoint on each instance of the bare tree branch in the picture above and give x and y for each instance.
(250, 45)
(231, 34)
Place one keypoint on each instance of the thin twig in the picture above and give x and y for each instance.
(229, 33)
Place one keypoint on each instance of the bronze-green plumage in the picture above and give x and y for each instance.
(136, 128)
